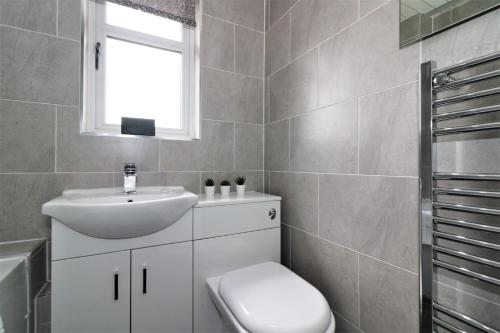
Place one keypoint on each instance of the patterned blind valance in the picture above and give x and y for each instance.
(178, 10)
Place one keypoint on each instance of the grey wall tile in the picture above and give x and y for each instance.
(344, 326)
(266, 100)
(254, 180)
(190, 180)
(232, 97)
(38, 68)
(214, 151)
(249, 13)
(313, 21)
(267, 11)
(365, 58)
(371, 214)
(267, 181)
(388, 132)
(22, 196)
(299, 199)
(330, 268)
(217, 44)
(143, 179)
(249, 147)
(472, 39)
(21, 199)
(249, 52)
(69, 19)
(277, 150)
(366, 6)
(81, 153)
(36, 15)
(294, 88)
(27, 142)
(325, 140)
(388, 297)
(278, 45)
(286, 242)
(279, 7)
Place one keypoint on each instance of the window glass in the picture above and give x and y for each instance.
(134, 19)
(142, 82)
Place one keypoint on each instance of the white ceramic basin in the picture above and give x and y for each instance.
(108, 213)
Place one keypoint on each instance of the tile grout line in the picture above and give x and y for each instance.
(34, 102)
(57, 18)
(358, 136)
(350, 99)
(289, 10)
(289, 144)
(231, 22)
(39, 33)
(353, 250)
(55, 138)
(234, 146)
(229, 72)
(317, 203)
(234, 48)
(342, 174)
(326, 39)
(359, 296)
(350, 322)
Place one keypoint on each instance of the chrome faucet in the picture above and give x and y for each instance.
(129, 178)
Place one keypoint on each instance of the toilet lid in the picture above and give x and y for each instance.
(270, 298)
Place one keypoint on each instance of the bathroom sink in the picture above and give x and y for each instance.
(108, 213)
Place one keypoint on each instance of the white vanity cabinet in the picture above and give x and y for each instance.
(149, 289)
(91, 294)
(162, 288)
(138, 285)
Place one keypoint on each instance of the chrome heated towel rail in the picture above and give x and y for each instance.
(458, 208)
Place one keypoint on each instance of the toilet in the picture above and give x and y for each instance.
(268, 298)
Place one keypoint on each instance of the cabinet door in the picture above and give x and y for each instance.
(91, 294)
(162, 288)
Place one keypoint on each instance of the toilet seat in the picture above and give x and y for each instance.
(270, 298)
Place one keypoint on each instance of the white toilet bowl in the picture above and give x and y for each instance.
(269, 298)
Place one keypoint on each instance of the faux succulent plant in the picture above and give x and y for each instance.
(225, 182)
(240, 180)
(209, 182)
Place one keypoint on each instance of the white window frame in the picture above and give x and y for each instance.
(96, 30)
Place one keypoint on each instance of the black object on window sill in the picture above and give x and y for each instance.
(138, 126)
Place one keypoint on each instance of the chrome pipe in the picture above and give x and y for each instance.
(449, 327)
(466, 176)
(465, 319)
(466, 64)
(467, 256)
(465, 97)
(466, 272)
(452, 84)
(466, 224)
(465, 208)
(466, 128)
(466, 113)
(469, 193)
(466, 240)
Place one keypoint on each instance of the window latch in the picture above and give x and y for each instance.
(97, 54)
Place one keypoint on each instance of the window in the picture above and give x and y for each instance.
(138, 65)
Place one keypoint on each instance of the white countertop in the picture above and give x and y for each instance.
(234, 199)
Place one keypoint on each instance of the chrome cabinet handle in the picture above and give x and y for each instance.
(116, 286)
(144, 279)
(272, 213)
(97, 55)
